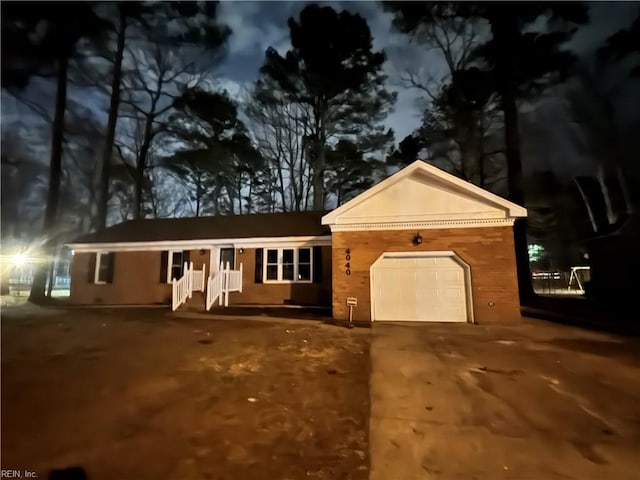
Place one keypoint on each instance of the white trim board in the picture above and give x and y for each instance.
(440, 181)
(310, 241)
(354, 227)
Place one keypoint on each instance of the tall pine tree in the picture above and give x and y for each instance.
(333, 69)
(523, 56)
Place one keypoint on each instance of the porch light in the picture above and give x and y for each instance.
(241, 250)
(417, 239)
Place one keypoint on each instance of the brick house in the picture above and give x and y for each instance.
(422, 245)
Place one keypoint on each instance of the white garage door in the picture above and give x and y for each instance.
(422, 289)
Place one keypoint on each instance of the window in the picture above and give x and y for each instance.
(104, 268)
(175, 265)
(288, 265)
(272, 265)
(304, 265)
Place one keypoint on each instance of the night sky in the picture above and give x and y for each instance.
(258, 25)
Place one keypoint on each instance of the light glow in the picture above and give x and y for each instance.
(19, 259)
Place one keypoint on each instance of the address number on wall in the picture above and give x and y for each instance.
(347, 257)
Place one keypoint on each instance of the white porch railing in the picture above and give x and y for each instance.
(215, 285)
(182, 288)
(199, 282)
(235, 279)
(221, 283)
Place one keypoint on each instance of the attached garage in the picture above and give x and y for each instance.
(420, 287)
(425, 246)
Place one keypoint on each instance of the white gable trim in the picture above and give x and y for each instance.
(512, 210)
(430, 225)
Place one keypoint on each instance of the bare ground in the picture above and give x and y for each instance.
(141, 394)
(533, 401)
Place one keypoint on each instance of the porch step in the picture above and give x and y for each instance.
(196, 303)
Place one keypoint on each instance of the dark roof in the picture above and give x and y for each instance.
(210, 228)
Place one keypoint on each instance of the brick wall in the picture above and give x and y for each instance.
(489, 252)
(136, 281)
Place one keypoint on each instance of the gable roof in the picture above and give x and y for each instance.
(437, 178)
(259, 225)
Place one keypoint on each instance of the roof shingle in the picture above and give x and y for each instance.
(211, 228)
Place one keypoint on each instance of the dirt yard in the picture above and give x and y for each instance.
(139, 394)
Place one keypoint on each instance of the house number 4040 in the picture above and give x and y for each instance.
(347, 257)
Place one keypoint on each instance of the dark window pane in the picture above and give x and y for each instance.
(272, 272)
(304, 255)
(272, 256)
(105, 267)
(304, 272)
(287, 272)
(176, 272)
(102, 274)
(176, 259)
(227, 255)
(287, 256)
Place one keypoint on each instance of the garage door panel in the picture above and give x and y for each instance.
(456, 293)
(419, 289)
(451, 276)
(424, 277)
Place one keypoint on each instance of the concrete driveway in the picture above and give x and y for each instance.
(532, 401)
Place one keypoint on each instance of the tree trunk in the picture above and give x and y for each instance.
(140, 169)
(481, 153)
(200, 189)
(250, 195)
(51, 274)
(318, 174)
(612, 217)
(280, 187)
(103, 201)
(239, 187)
(53, 196)
(505, 34)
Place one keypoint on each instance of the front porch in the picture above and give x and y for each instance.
(216, 287)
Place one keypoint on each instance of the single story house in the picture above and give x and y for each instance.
(422, 245)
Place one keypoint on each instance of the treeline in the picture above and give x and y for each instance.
(310, 132)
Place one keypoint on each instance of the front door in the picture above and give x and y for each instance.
(227, 255)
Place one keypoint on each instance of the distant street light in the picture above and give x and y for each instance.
(19, 259)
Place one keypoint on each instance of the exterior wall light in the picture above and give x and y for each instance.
(241, 250)
(417, 239)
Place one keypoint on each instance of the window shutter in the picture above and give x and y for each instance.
(91, 274)
(317, 264)
(111, 266)
(258, 277)
(164, 260)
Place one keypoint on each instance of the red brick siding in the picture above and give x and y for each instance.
(136, 281)
(488, 251)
